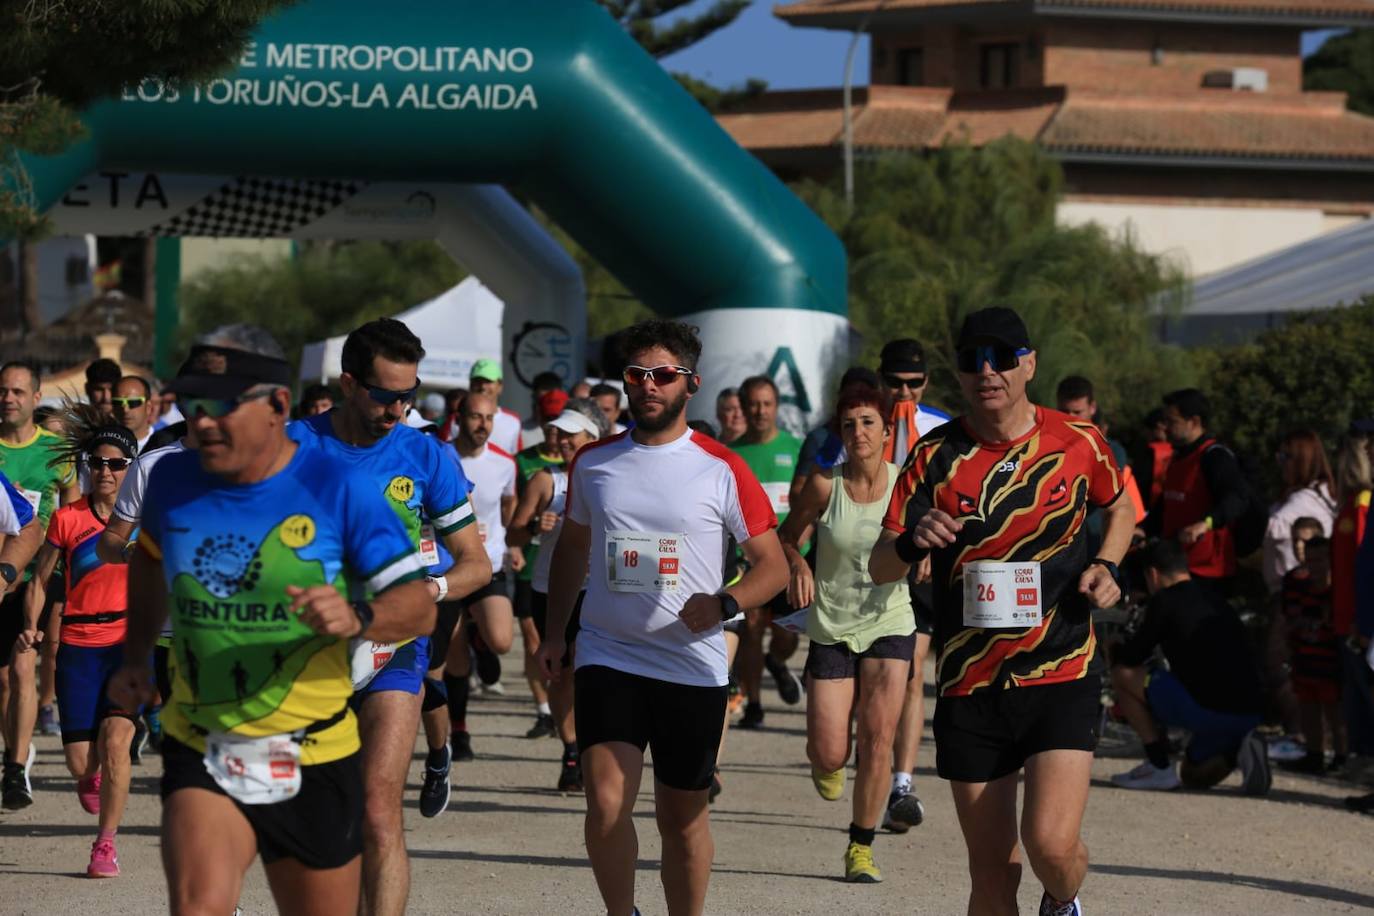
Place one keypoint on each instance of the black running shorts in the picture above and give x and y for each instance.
(11, 622)
(445, 622)
(990, 733)
(524, 598)
(680, 724)
(322, 827)
(539, 612)
(836, 661)
(923, 606)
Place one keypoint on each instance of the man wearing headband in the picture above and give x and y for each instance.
(995, 501)
(254, 545)
(427, 491)
(26, 455)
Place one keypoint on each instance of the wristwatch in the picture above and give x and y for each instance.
(1110, 567)
(8, 573)
(729, 607)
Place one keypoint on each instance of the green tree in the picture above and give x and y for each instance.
(643, 19)
(327, 289)
(933, 237)
(57, 56)
(1345, 63)
(1314, 371)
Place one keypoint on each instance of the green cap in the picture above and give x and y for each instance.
(488, 369)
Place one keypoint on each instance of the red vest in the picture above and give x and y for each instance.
(1187, 500)
(1161, 453)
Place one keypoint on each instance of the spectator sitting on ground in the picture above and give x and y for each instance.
(1314, 661)
(1211, 689)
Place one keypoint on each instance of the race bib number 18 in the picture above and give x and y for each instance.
(642, 561)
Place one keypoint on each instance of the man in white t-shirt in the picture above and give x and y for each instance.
(491, 471)
(649, 515)
(506, 426)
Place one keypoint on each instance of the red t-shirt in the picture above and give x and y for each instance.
(97, 592)
(1019, 501)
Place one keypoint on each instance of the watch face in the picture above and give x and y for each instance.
(542, 347)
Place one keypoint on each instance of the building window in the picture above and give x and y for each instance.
(911, 67)
(997, 66)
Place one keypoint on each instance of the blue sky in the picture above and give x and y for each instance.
(760, 45)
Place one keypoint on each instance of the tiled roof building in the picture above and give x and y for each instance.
(1182, 120)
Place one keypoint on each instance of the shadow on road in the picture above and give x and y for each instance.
(1297, 888)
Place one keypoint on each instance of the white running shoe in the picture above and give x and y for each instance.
(1148, 776)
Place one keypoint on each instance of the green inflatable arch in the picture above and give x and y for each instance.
(549, 98)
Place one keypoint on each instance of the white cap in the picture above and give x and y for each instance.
(413, 418)
(572, 422)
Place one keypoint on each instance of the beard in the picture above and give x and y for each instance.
(671, 411)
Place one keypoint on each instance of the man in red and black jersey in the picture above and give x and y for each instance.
(994, 501)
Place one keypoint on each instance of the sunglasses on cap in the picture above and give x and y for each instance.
(214, 408)
(114, 464)
(894, 382)
(1001, 357)
(130, 403)
(386, 396)
(662, 375)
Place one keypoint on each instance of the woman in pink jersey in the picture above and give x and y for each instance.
(95, 735)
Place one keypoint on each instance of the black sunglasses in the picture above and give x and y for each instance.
(114, 464)
(1001, 357)
(894, 382)
(386, 397)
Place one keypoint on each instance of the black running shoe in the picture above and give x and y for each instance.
(460, 744)
(904, 811)
(434, 794)
(542, 728)
(1252, 760)
(753, 716)
(488, 665)
(789, 687)
(139, 743)
(570, 776)
(1361, 803)
(15, 790)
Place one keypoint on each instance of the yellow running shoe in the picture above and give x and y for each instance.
(858, 865)
(829, 785)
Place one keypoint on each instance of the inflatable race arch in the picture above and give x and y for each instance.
(350, 118)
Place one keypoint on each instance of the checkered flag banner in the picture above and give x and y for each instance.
(258, 208)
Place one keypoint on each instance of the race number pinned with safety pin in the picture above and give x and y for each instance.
(643, 561)
(429, 545)
(1001, 595)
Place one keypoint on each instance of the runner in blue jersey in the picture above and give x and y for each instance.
(19, 535)
(425, 486)
(270, 557)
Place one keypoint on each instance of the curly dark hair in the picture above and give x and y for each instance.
(677, 338)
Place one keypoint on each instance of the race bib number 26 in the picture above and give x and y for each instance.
(1002, 595)
(643, 561)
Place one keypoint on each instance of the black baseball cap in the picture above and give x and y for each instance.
(903, 355)
(997, 325)
(225, 373)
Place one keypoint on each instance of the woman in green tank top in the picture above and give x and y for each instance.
(862, 634)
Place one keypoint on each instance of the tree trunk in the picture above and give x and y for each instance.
(28, 288)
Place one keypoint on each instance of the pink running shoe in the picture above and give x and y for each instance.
(88, 793)
(104, 863)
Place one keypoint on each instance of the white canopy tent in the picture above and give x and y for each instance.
(457, 327)
(1236, 304)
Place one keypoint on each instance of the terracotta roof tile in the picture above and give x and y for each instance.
(804, 10)
(1310, 125)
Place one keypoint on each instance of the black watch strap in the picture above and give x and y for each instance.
(365, 615)
(1109, 566)
(729, 607)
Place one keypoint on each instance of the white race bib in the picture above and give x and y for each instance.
(1002, 595)
(35, 497)
(429, 545)
(255, 771)
(482, 531)
(366, 659)
(642, 561)
(778, 496)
